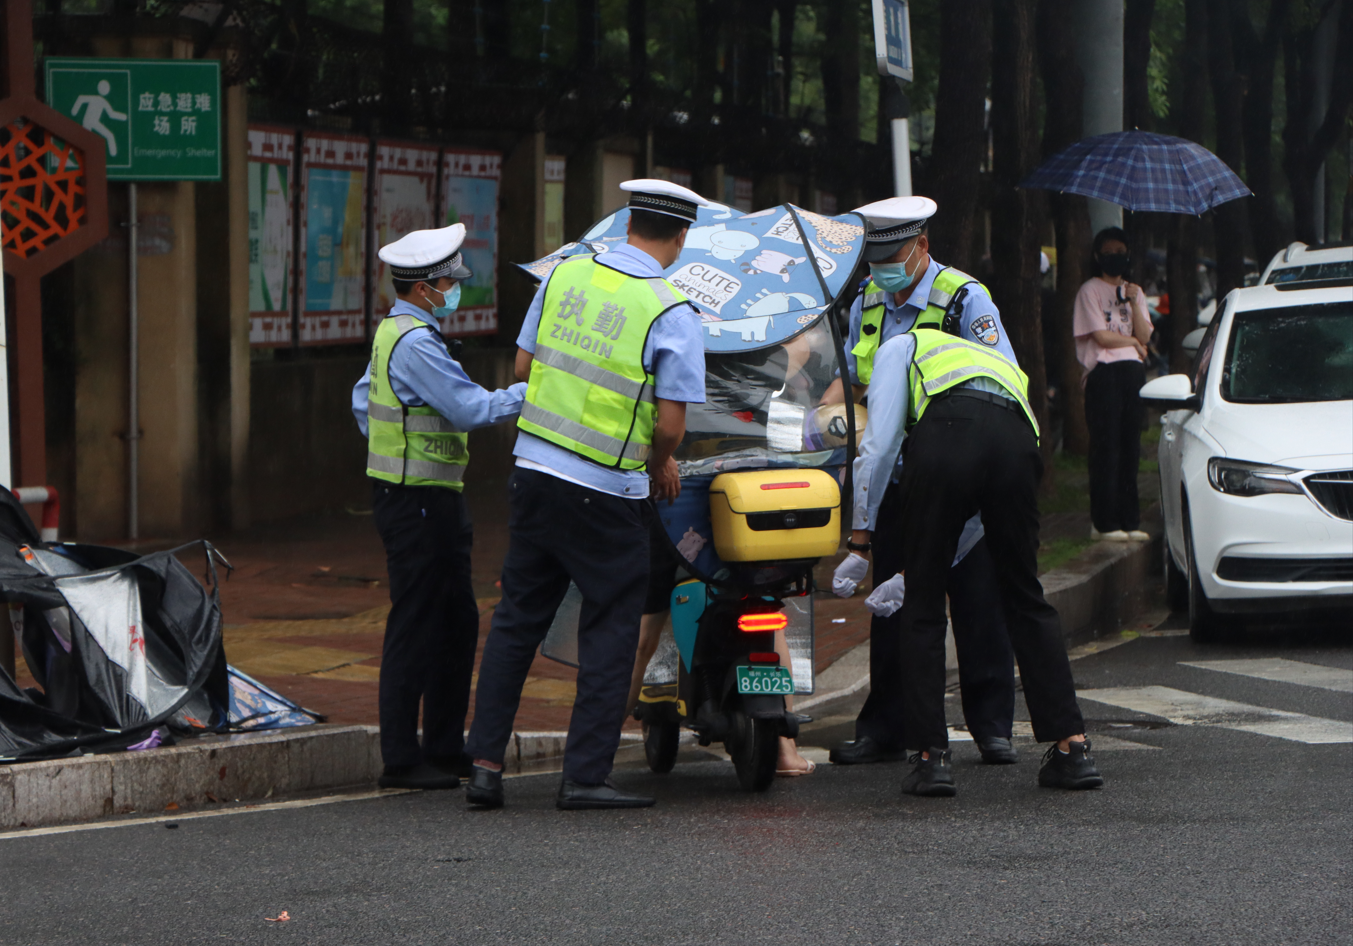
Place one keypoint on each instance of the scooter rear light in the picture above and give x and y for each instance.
(760, 658)
(760, 623)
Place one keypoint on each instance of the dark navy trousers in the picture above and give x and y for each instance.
(986, 662)
(561, 531)
(433, 627)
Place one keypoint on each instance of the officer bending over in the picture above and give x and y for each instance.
(907, 288)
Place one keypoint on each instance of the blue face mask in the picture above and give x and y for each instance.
(450, 300)
(893, 277)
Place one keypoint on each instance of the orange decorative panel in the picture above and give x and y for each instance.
(42, 188)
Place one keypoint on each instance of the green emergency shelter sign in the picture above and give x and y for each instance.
(161, 118)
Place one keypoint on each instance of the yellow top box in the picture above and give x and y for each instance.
(775, 515)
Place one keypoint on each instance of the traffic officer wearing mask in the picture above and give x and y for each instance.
(907, 288)
(414, 405)
(613, 353)
(971, 447)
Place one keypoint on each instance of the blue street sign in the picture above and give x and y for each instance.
(892, 38)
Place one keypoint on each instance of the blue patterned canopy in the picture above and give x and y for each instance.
(758, 279)
(1140, 170)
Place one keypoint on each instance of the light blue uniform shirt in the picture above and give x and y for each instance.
(880, 454)
(423, 374)
(674, 354)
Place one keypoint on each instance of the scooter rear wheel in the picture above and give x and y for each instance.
(661, 741)
(754, 746)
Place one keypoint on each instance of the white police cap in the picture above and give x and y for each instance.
(427, 255)
(664, 197)
(892, 222)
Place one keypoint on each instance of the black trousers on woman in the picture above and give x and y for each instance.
(1113, 414)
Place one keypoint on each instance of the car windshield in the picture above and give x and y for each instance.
(1296, 353)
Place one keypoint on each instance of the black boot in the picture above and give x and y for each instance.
(486, 788)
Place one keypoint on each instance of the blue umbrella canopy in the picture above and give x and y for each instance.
(758, 279)
(1140, 170)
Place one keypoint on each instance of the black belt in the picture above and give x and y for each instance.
(997, 399)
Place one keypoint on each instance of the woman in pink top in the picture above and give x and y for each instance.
(1112, 328)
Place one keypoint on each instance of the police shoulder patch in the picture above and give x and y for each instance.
(984, 330)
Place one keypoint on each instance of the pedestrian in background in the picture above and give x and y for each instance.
(414, 405)
(1112, 329)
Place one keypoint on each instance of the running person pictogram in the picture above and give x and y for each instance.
(96, 106)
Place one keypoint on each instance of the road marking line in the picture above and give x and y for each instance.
(1191, 709)
(1282, 671)
(192, 815)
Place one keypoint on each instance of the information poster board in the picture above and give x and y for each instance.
(406, 183)
(272, 155)
(333, 235)
(470, 181)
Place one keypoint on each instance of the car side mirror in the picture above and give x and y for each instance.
(1173, 392)
(1192, 341)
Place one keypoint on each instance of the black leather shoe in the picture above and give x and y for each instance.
(997, 750)
(485, 789)
(422, 776)
(863, 751)
(932, 778)
(575, 797)
(1073, 769)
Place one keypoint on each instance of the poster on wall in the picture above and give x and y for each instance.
(470, 196)
(272, 153)
(333, 235)
(406, 183)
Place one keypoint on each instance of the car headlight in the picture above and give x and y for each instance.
(1238, 478)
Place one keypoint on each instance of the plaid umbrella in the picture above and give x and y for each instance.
(1141, 171)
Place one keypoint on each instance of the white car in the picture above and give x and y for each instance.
(1256, 459)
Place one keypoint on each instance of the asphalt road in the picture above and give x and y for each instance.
(1207, 832)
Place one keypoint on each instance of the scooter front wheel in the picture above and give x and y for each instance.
(754, 746)
(661, 741)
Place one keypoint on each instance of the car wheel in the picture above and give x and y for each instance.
(1176, 582)
(1205, 625)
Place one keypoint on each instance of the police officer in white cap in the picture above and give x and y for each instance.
(907, 288)
(414, 405)
(613, 353)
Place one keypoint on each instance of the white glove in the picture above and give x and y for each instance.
(852, 570)
(887, 597)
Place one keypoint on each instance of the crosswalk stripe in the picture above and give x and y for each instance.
(1283, 671)
(1191, 709)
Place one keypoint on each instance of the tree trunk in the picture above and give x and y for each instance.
(1227, 88)
(588, 28)
(1256, 57)
(785, 43)
(841, 72)
(1311, 129)
(1063, 125)
(637, 23)
(1136, 58)
(396, 38)
(1018, 215)
(960, 129)
(1182, 266)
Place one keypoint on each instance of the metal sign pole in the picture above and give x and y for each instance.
(892, 53)
(133, 413)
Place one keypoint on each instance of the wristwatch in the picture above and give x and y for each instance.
(859, 547)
